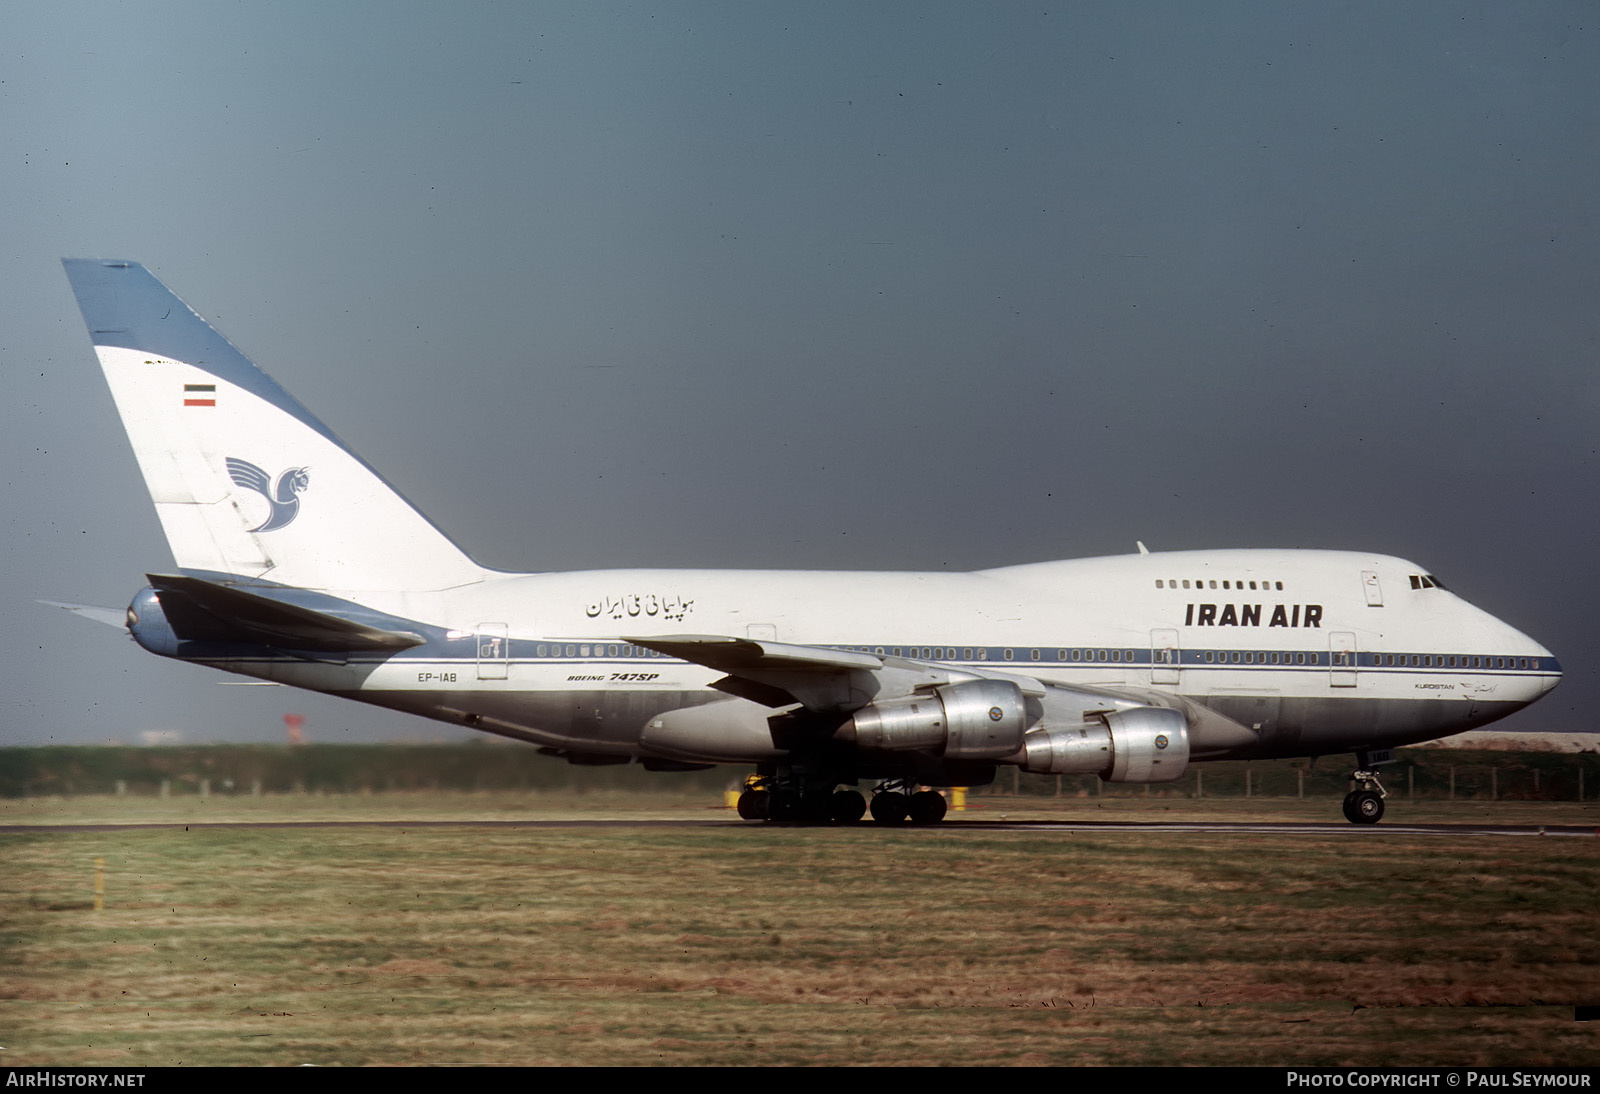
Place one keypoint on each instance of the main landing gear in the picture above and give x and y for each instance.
(898, 801)
(1364, 805)
(893, 802)
(791, 800)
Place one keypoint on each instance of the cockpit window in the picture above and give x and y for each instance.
(1426, 581)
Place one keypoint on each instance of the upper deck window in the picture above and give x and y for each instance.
(1259, 586)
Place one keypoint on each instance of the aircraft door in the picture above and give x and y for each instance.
(494, 651)
(1342, 656)
(1166, 656)
(1374, 591)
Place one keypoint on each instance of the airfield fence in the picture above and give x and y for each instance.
(1427, 774)
(316, 769)
(1433, 774)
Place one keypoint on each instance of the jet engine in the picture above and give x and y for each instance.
(972, 720)
(1138, 745)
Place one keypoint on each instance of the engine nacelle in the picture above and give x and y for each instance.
(1140, 745)
(728, 731)
(972, 720)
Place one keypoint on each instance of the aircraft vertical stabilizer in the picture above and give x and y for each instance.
(245, 479)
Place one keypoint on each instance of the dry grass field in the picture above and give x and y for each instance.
(721, 943)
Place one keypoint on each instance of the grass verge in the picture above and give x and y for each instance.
(729, 944)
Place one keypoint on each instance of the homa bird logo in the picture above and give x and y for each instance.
(284, 496)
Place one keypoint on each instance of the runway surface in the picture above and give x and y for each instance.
(948, 827)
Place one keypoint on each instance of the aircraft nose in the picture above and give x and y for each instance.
(1549, 669)
(1522, 652)
(1552, 673)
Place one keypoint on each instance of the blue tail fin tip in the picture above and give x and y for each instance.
(126, 305)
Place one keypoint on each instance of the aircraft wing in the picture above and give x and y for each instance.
(822, 678)
(839, 682)
(730, 654)
(778, 674)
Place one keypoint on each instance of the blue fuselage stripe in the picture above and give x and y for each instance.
(1056, 657)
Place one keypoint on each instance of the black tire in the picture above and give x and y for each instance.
(889, 808)
(753, 804)
(1363, 807)
(784, 805)
(1368, 807)
(848, 806)
(816, 808)
(927, 807)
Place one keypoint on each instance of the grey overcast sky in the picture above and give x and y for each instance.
(862, 286)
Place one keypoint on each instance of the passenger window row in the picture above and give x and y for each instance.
(1067, 655)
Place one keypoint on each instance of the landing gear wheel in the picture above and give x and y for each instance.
(1363, 807)
(848, 806)
(1364, 804)
(926, 807)
(784, 805)
(890, 807)
(816, 808)
(754, 804)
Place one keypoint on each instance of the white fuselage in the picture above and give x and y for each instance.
(1310, 650)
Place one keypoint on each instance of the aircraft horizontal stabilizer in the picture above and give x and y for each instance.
(203, 611)
(111, 617)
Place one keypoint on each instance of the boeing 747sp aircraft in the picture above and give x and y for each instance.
(297, 563)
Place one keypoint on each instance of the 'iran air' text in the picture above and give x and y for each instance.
(1249, 615)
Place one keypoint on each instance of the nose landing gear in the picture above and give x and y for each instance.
(1364, 805)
